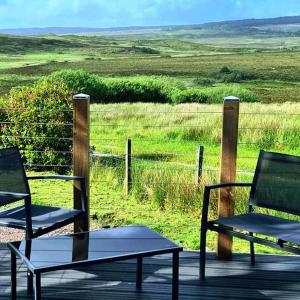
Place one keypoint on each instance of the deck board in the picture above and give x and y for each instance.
(273, 277)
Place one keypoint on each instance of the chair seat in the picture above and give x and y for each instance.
(283, 229)
(42, 216)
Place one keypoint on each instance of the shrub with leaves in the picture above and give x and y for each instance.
(79, 81)
(233, 76)
(213, 95)
(204, 81)
(190, 95)
(40, 118)
(156, 89)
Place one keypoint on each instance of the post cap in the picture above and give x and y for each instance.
(231, 99)
(81, 97)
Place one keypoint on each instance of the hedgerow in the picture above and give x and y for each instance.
(38, 117)
(156, 89)
(213, 95)
(151, 89)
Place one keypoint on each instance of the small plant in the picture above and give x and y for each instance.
(190, 95)
(225, 70)
(204, 81)
(228, 75)
(145, 50)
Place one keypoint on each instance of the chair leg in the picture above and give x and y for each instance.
(202, 252)
(252, 252)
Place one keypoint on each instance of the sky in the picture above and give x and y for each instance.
(122, 13)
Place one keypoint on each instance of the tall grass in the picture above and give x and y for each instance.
(165, 140)
(182, 127)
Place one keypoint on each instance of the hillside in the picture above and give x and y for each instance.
(256, 22)
(283, 26)
(262, 55)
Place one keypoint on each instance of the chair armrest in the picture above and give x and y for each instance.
(9, 197)
(62, 177)
(210, 187)
(81, 179)
(14, 196)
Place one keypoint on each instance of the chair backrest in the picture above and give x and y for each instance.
(12, 174)
(276, 183)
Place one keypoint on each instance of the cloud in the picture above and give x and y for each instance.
(108, 13)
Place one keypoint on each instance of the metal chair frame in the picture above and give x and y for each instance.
(248, 236)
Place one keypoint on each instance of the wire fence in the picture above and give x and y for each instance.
(165, 142)
(164, 148)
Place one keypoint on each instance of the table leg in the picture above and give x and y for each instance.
(13, 276)
(139, 272)
(37, 287)
(175, 280)
(29, 283)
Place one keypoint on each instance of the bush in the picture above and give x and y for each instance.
(79, 81)
(237, 76)
(225, 70)
(233, 76)
(216, 94)
(213, 95)
(3, 113)
(156, 89)
(145, 50)
(204, 81)
(190, 95)
(38, 114)
(153, 89)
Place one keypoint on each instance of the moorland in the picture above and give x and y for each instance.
(260, 59)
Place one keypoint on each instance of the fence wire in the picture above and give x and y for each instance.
(164, 147)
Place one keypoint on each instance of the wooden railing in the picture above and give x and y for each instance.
(81, 153)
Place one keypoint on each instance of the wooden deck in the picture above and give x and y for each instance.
(273, 277)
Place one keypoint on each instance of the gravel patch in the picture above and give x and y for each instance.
(12, 235)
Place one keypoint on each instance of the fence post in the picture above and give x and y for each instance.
(81, 141)
(228, 169)
(128, 177)
(199, 164)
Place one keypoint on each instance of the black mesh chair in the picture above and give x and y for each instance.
(36, 220)
(276, 185)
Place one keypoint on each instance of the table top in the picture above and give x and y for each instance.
(106, 245)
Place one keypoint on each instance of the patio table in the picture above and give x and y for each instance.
(95, 247)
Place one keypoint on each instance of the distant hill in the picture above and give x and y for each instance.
(68, 30)
(256, 22)
(283, 26)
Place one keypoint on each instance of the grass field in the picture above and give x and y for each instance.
(164, 143)
(165, 137)
(275, 67)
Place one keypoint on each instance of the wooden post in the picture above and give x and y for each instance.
(199, 164)
(228, 169)
(81, 142)
(128, 177)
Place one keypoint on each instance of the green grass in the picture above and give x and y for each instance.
(109, 206)
(163, 128)
(165, 137)
(165, 196)
(164, 143)
(275, 68)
